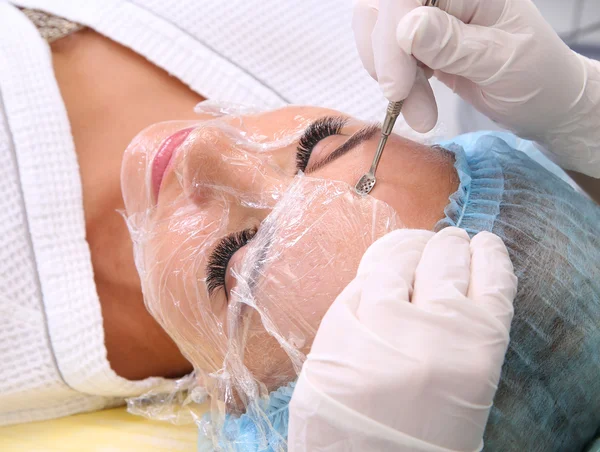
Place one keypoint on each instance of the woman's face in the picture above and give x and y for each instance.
(231, 242)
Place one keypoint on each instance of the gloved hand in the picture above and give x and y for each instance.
(409, 355)
(499, 55)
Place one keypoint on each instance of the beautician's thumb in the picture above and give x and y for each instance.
(444, 43)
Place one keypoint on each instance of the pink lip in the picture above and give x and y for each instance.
(163, 157)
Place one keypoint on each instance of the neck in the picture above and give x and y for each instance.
(110, 94)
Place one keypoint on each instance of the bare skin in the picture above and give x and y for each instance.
(111, 93)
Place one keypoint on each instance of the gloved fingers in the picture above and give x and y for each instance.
(457, 84)
(493, 284)
(444, 43)
(479, 12)
(420, 108)
(471, 93)
(363, 22)
(384, 253)
(387, 286)
(396, 70)
(444, 271)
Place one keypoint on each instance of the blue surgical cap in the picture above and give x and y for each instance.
(549, 393)
(255, 432)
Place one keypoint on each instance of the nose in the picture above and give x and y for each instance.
(221, 162)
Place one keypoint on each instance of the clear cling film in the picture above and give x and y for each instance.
(241, 252)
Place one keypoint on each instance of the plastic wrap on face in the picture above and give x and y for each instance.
(179, 402)
(220, 108)
(240, 256)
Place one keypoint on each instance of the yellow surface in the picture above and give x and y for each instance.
(103, 431)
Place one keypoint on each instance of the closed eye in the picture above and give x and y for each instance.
(362, 135)
(323, 128)
(315, 132)
(216, 269)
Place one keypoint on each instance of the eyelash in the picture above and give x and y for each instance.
(216, 269)
(317, 131)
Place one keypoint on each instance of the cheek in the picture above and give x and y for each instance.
(172, 257)
(411, 205)
(306, 270)
(299, 297)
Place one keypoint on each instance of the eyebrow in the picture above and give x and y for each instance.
(364, 134)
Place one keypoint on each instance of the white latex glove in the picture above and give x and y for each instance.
(409, 355)
(499, 55)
